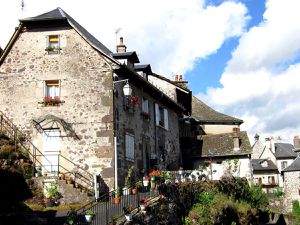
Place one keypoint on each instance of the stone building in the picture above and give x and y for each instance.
(271, 157)
(207, 137)
(64, 89)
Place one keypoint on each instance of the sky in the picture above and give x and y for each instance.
(241, 57)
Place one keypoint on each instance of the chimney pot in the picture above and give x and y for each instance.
(297, 142)
(176, 78)
(121, 47)
(180, 77)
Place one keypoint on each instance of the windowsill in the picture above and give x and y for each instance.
(54, 52)
(129, 159)
(162, 127)
(51, 104)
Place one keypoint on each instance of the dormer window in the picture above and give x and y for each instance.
(53, 44)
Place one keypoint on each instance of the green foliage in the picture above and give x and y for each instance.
(240, 190)
(296, 208)
(52, 189)
(71, 217)
(118, 192)
(278, 192)
(4, 152)
(205, 198)
(90, 212)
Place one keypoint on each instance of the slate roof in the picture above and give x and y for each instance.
(206, 115)
(257, 166)
(125, 55)
(222, 145)
(59, 14)
(284, 151)
(143, 67)
(295, 166)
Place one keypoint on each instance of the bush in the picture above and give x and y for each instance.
(296, 208)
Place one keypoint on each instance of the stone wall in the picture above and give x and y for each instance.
(86, 89)
(291, 188)
(150, 141)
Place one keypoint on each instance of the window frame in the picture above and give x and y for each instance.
(161, 116)
(129, 147)
(53, 47)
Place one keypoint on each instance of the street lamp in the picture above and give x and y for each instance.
(127, 90)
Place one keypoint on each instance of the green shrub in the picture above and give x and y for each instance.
(205, 198)
(296, 208)
(278, 192)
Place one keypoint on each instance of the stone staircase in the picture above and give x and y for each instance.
(71, 193)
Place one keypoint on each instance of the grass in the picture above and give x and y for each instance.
(36, 207)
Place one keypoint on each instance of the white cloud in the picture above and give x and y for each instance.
(261, 83)
(170, 35)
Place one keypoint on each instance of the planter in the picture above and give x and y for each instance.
(134, 191)
(143, 208)
(126, 191)
(146, 183)
(152, 184)
(128, 217)
(88, 218)
(117, 200)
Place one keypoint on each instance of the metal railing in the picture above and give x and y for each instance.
(105, 208)
(80, 175)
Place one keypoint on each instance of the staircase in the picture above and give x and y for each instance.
(81, 178)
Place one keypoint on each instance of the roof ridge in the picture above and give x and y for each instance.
(62, 12)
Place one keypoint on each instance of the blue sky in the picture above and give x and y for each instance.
(240, 57)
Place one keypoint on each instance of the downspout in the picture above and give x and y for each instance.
(155, 126)
(114, 130)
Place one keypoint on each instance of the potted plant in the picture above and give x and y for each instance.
(118, 193)
(114, 220)
(89, 215)
(71, 217)
(146, 181)
(143, 204)
(127, 211)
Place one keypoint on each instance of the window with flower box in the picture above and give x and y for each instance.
(53, 46)
(52, 93)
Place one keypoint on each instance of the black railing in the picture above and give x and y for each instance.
(105, 208)
(40, 160)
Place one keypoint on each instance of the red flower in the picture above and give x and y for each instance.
(144, 201)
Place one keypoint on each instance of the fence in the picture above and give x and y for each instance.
(106, 209)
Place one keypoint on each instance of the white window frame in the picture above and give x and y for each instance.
(145, 105)
(47, 84)
(158, 119)
(129, 147)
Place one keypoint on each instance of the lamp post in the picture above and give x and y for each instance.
(127, 90)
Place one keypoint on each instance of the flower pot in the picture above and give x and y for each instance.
(152, 184)
(143, 208)
(128, 217)
(134, 191)
(146, 183)
(117, 200)
(88, 218)
(126, 191)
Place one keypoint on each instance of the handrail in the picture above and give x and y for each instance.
(15, 134)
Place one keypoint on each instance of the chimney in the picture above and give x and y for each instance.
(236, 139)
(297, 143)
(121, 48)
(180, 82)
(270, 144)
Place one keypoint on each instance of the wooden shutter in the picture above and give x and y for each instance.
(166, 119)
(157, 116)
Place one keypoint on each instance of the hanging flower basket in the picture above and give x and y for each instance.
(134, 100)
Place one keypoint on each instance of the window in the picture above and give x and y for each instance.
(161, 116)
(53, 44)
(283, 165)
(52, 89)
(129, 147)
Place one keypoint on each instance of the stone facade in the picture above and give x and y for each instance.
(91, 120)
(155, 146)
(291, 188)
(85, 87)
